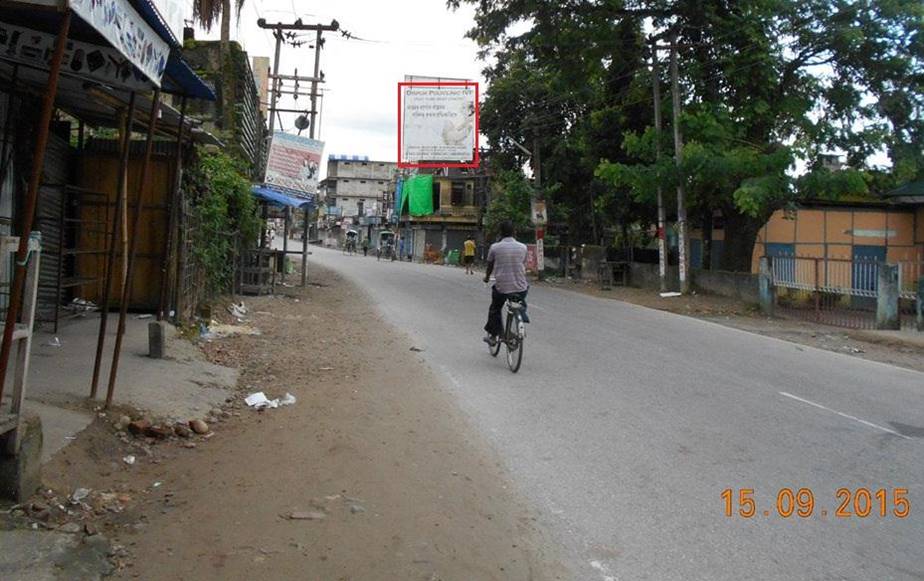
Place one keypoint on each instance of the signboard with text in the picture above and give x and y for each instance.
(100, 63)
(127, 32)
(294, 163)
(437, 124)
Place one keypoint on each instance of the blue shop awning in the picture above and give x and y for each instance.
(281, 199)
(180, 79)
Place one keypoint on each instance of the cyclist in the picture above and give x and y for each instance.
(507, 261)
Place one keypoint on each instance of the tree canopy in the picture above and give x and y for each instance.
(764, 83)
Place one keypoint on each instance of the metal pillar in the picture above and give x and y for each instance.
(28, 215)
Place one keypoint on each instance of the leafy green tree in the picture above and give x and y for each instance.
(764, 83)
(223, 208)
(510, 200)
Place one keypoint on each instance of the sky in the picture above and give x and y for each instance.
(411, 37)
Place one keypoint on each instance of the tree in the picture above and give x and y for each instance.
(510, 200)
(764, 82)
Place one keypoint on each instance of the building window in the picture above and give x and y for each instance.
(436, 196)
(362, 181)
(359, 207)
(458, 193)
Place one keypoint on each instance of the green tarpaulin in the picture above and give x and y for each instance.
(419, 192)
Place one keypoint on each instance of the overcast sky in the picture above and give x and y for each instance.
(415, 37)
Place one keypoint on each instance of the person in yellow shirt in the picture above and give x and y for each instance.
(468, 255)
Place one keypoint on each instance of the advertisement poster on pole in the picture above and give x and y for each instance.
(294, 163)
(437, 123)
(538, 214)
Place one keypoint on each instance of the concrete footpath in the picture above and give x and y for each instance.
(181, 386)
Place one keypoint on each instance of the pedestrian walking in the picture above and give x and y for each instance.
(468, 254)
(400, 248)
(365, 247)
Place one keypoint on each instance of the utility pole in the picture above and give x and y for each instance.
(540, 228)
(272, 110)
(278, 29)
(662, 235)
(314, 84)
(678, 159)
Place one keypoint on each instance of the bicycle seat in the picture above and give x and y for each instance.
(514, 304)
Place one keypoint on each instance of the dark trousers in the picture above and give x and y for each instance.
(495, 326)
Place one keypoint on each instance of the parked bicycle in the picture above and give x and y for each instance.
(513, 337)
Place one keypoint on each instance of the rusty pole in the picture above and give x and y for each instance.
(124, 160)
(28, 215)
(132, 246)
(171, 214)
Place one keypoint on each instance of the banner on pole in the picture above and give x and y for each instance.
(294, 163)
(538, 214)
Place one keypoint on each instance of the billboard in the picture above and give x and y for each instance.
(294, 163)
(437, 124)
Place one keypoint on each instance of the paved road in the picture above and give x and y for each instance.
(626, 424)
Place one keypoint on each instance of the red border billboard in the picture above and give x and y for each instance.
(475, 161)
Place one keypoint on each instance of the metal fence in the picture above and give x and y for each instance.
(842, 293)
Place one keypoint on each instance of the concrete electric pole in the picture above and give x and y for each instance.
(682, 235)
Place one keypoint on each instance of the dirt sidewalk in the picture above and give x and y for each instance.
(373, 474)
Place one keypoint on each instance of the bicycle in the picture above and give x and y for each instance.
(513, 337)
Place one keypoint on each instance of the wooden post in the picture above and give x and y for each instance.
(132, 247)
(171, 214)
(285, 242)
(125, 157)
(24, 348)
(28, 215)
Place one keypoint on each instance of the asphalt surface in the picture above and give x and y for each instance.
(625, 425)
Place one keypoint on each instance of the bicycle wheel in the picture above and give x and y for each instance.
(514, 343)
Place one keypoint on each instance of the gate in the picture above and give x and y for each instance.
(841, 293)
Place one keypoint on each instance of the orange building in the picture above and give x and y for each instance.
(845, 231)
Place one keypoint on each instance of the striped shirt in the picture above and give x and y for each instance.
(509, 258)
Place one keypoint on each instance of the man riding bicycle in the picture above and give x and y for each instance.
(507, 261)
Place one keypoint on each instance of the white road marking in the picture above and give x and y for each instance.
(843, 415)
